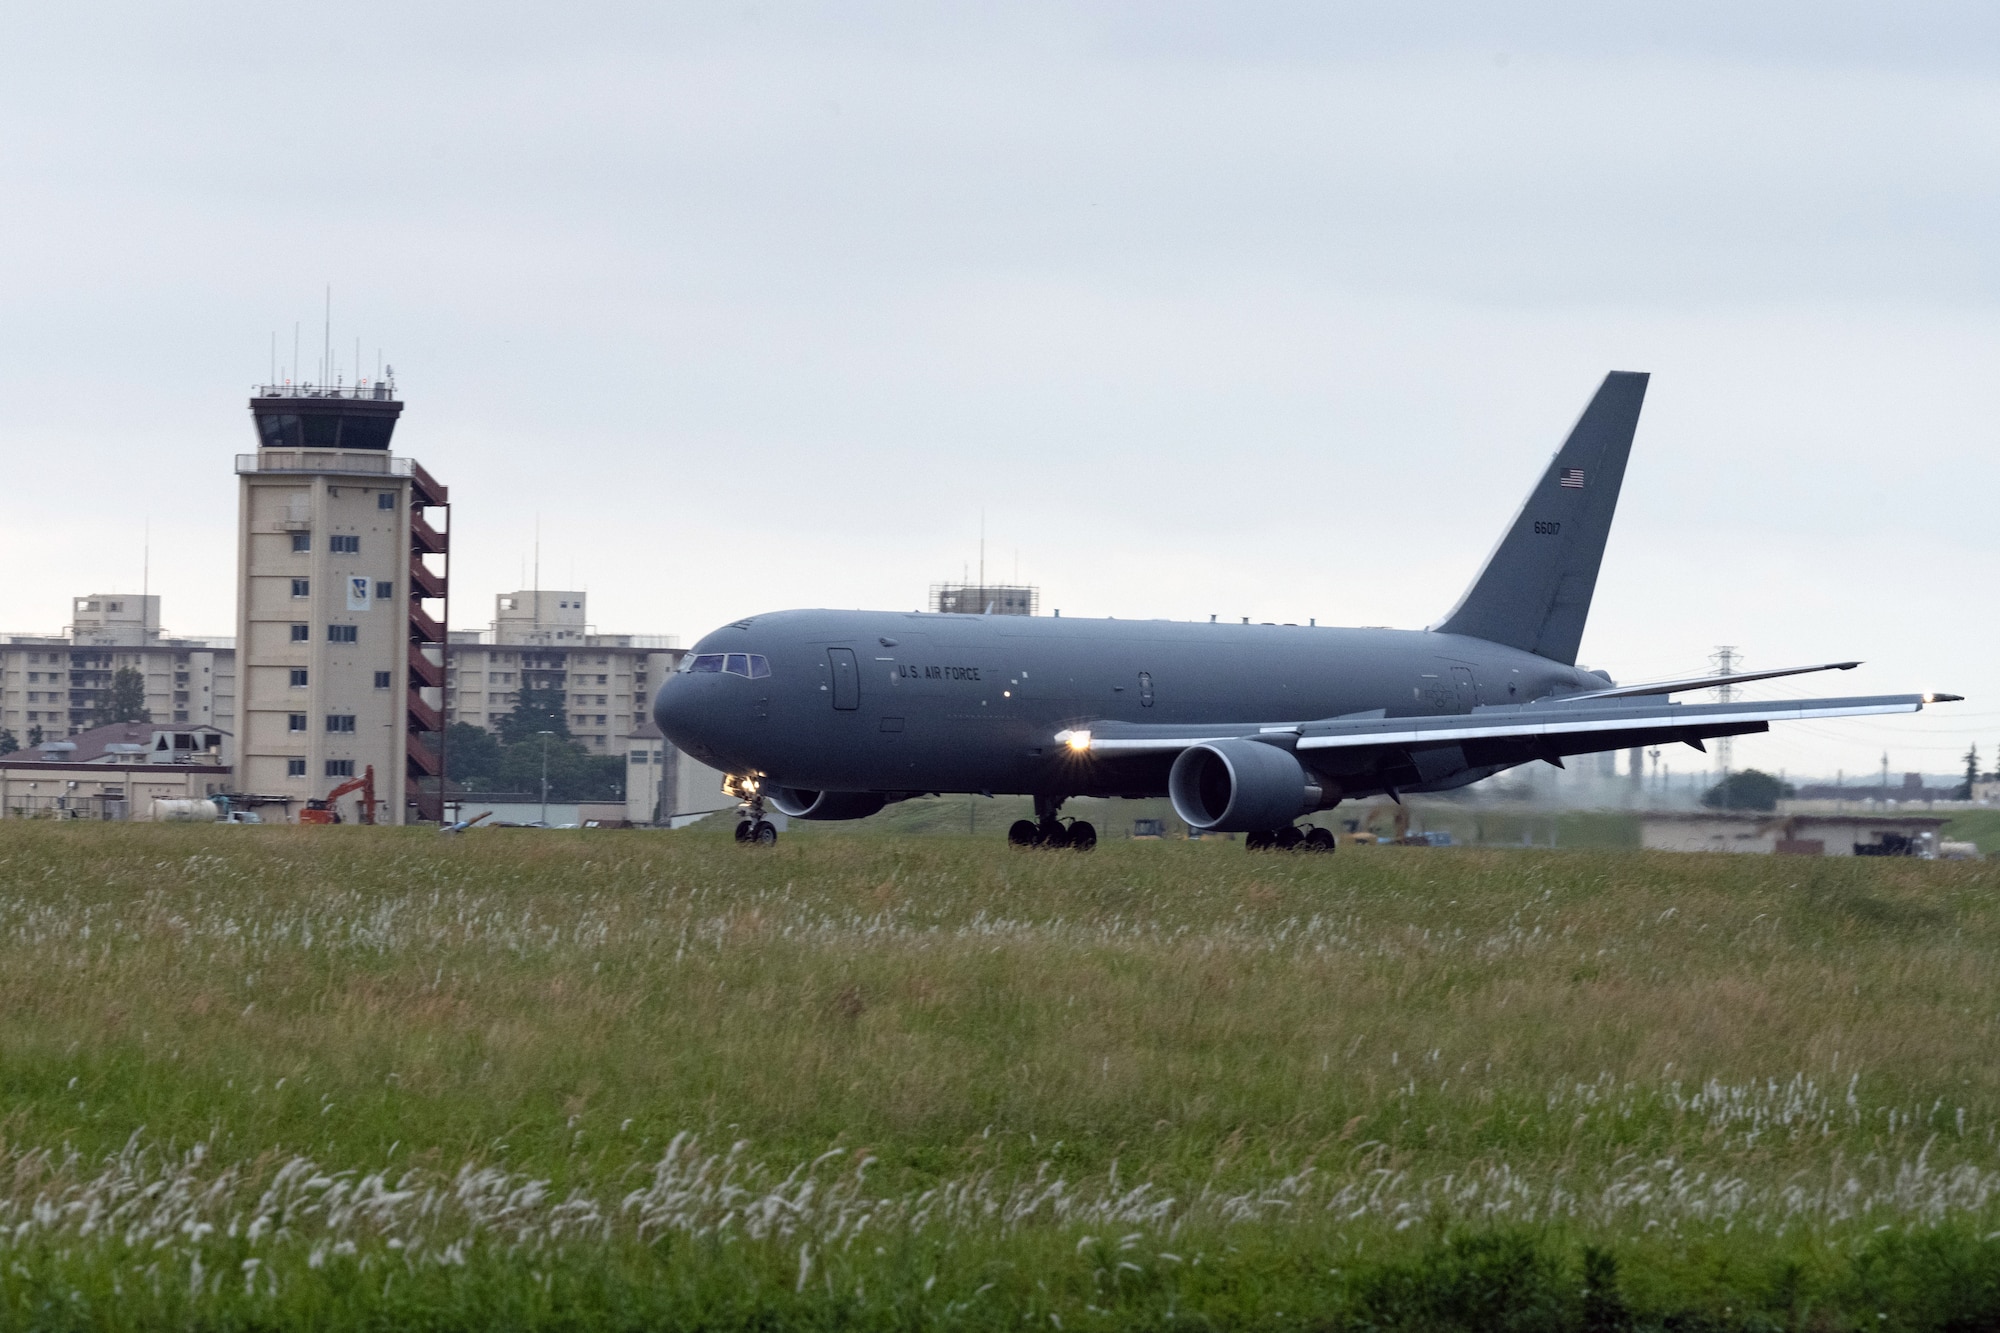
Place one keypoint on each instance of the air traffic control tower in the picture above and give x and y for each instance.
(339, 665)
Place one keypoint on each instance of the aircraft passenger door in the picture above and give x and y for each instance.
(846, 678)
(1468, 693)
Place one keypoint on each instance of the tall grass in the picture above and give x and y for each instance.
(313, 1075)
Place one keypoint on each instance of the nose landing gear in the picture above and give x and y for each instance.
(751, 826)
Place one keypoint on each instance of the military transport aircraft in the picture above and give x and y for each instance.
(1248, 728)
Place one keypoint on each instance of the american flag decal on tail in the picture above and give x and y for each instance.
(1573, 478)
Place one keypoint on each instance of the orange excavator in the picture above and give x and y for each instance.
(327, 811)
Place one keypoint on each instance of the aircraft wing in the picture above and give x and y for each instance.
(1502, 734)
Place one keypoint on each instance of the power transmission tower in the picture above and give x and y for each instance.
(1726, 660)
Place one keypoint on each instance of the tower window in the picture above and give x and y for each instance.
(339, 768)
(386, 500)
(342, 633)
(302, 587)
(298, 722)
(302, 541)
(301, 633)
(381, 680)
(348, 545)
(340, 722)
(298, 678)
(295, 768)
(384, 590)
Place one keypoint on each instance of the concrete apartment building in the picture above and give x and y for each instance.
(340, 665)
(57, 682)
(542, 640)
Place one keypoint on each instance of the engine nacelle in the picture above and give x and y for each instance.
(802, 803)
(1240, 786)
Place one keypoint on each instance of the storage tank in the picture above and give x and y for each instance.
(181, 811)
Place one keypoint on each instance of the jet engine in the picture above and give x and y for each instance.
(1242, 786)
(802, 803)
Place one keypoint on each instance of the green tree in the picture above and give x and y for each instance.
(575, 774)
(8, 742)
(125, 701)
(1964, 792)
(1751, 789)
(481, 762)
(471, 756)
(537, 710)
(34, 737)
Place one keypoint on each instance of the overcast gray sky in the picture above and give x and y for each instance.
(1250, 309)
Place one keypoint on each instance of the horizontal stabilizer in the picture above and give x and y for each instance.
(1697, 683)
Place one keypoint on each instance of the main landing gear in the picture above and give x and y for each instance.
(1289, 840)
(1045, 830)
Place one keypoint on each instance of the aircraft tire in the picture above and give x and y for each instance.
(765, 834)
(1260, 841)
(1054, 835)
(1288, 839)
(1319, 840)
(1023, 833)
(1082, 836)
(743, 831)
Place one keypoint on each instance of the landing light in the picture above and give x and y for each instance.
(1077, 741)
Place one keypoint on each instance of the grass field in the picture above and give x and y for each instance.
(319, 1078)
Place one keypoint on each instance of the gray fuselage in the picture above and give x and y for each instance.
(963, 703)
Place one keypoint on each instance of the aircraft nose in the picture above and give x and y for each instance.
(673, 711)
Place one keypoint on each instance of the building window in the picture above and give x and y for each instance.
(381, 680)
(302, 541)
(340, 545)
(180, 715)
(298, 722)
(386, 500)
(384, 591)
(302, 587)
(295, 768)
(341, 722)
(339, 768)
(341, 633)
(301, 633)
(298, 678)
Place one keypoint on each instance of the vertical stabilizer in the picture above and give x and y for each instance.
(1534, 591)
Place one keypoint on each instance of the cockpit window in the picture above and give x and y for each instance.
(753, 665)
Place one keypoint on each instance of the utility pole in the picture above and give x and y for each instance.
(545, 774)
